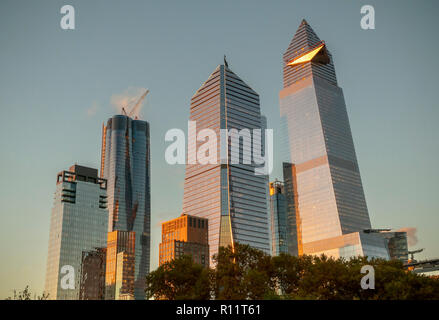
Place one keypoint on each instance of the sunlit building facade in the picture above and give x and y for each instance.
(78, 224)
(230, 196)
(349, 245)
(185, 235)
(278, 215)
(125, 163)
(319, 144)
(120, 265)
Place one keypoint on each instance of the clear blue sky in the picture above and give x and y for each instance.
(56, 86)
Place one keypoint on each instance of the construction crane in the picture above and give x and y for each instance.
(412, 258)
(136, 106)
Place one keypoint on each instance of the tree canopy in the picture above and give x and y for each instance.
(179, 279)
(248, 273)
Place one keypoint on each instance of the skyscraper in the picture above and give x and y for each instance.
(294, 239)
(264, 126)
(185, 235)
(125, 163)
(120, 265)
(92, 285)
(230, 195)
(278, 214)
(319, 144)
(78, 225)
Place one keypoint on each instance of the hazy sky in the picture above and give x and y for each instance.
(56, 88)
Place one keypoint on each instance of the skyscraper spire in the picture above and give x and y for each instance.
(304, 41)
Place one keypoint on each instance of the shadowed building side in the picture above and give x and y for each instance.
(93, 274)
(278, 214)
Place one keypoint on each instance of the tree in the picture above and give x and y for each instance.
(179, 279)
(26, 294)
(328, 278)
(242, 273)
(247, 273)
(288, 272)
(393, 282)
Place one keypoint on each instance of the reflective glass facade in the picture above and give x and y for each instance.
(231, 196)
(317, 141)
(278, 214)
(78, 225)
(125, 163)
(293, 228)
(264, 126)
(350, 245)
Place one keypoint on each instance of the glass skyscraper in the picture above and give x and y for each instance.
(318, 143)
(125, 163)
(278, 214)
(78, 225)
(293, 215)
(231, 196)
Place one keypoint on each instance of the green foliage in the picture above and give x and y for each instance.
(247, 273)
(179, 279)
(26, 294)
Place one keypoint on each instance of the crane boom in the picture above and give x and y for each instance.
(413, 252)
(139, 102)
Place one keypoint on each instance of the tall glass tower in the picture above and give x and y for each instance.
(278, 214)
(125, 163)
(78, 225)
(319, 145)
(230, 195)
